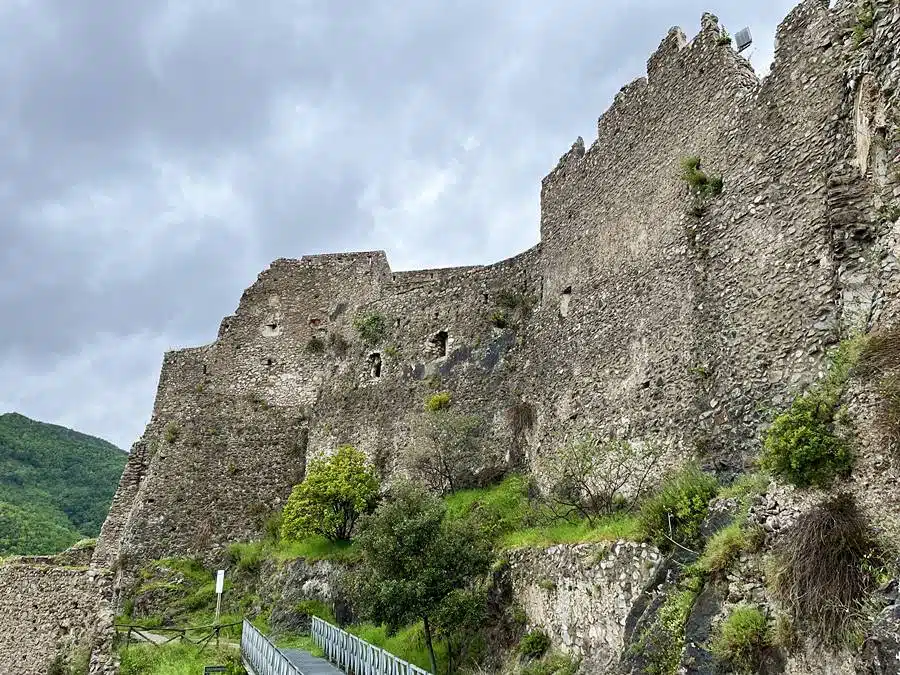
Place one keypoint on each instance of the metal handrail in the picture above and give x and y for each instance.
(262, 656)
(356, 656)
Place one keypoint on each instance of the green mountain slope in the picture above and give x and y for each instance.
(56, 485)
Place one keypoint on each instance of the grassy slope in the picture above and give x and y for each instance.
(55, 485)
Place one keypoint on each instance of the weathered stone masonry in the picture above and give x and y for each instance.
(650, 321)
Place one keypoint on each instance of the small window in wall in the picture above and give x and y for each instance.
(439, 342)
(269, 362)
(564, 300)
(204, 369)
(375, 364)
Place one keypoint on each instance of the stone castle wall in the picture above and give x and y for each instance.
(48, 609)
(649, 321)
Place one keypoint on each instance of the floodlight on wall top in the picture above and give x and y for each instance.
(743, 39)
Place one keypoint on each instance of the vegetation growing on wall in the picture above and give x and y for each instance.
(702, 186)
(672, 517)
(337, 490)
(802, 446)
(315, 345)
(865, 20)
(742, 638)
(371, 327)
(447, 449)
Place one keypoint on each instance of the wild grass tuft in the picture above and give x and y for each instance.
(826, 566)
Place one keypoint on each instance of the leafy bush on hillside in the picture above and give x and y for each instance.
(672, 517)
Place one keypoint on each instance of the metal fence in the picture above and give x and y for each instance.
(262, 656)
(356, 656)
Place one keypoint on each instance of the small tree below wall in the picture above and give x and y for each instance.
(447, 451)
(420, 566)
(336, 491)
(595, 477)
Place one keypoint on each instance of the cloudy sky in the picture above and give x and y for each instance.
(160, 154)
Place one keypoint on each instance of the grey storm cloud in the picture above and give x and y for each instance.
(160, 154)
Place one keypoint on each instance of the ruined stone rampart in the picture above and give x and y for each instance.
(650, 318)
(48, 610)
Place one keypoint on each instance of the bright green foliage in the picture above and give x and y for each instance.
(335, 493)
(742, 638)
(315, 608)
(55, 485)
(801, 446)
(612, 528)
(176, 659)
(371, 327)
(672, 517)
(438, 401)
(702, 186)
(726, 545)
(534, 644)
(416, 562)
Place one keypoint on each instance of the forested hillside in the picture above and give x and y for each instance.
(56, 485)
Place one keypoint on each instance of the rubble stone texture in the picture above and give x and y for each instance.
(650, 320)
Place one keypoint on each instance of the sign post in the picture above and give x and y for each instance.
(220, 586)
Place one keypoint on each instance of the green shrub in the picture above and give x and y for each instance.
(315, 345)
(336, 491)
(724, 547)
(371, 328)
(672, 517)
(742, 638)
(801, 447)
(534, 644)
(247, 557)
(662, 642)
(552, 664)
(172, 432)
(702, 186)
(438, 401)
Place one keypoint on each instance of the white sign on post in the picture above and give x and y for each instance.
(220, 586)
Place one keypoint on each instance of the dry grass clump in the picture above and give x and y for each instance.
(826, 568)
(881, 352)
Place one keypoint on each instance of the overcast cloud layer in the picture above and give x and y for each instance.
(159, 155)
